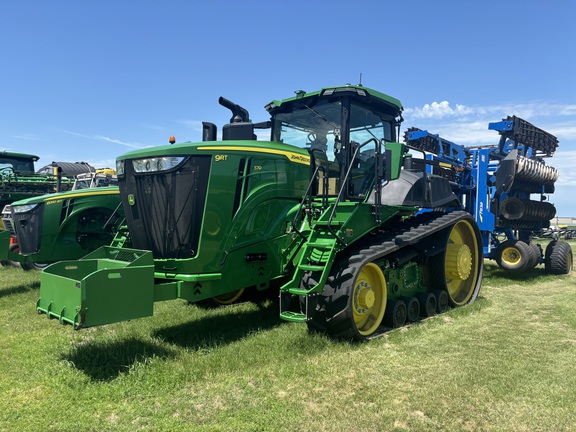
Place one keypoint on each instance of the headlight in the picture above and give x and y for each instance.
(156, 164)
(24, 208)
(119, 167)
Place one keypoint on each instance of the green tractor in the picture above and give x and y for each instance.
(19, 180)
(333, 211)
(65, 225)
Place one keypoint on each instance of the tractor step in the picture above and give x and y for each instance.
(106, 286)
(298, 291)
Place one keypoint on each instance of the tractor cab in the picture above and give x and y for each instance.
(17, 162)
(343, 129)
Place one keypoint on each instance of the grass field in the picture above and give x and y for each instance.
(505, 363)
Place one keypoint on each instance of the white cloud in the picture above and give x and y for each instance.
(468, 125)
(438, 110)
(27, 136)
(192, 124)
(565, 161)
(102, 163)
(564, 131)
(107, 139)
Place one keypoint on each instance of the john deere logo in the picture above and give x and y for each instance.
(131, 200)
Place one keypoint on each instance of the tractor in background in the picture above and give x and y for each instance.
(65, 225)
(18, 179)
(332, 211)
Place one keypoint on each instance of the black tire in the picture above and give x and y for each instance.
(558, 258)
(428, 305)
(26, 266)
(412, 309)
(513, 256)
(396, 313)
(536, 255)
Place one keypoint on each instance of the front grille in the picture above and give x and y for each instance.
(164, 209)
(28, 227)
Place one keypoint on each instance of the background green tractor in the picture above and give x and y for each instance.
(331, 210)
(18, 179)
(65, 225)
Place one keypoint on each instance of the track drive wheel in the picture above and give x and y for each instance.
(462, 263)
(354, 297)
(513, 256)
(558, 258)
(229, 298)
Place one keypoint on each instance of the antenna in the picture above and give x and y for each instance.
(360, 79)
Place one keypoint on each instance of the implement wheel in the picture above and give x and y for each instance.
(462, 263)
(355, 298)
(514, 256)
(536, 255)
(558, 258)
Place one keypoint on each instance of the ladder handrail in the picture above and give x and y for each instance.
(344, 182)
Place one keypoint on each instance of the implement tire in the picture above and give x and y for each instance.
(514, 256)
(558, 258)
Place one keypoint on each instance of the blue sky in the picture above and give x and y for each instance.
(90, 80)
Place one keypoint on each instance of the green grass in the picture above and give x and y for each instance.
(505, 363)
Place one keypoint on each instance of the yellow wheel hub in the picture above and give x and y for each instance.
(511, 256)
(369, 299)
(366, 296)
(458, 261)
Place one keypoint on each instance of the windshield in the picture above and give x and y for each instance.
(82, 184)
(20, 165)
(319, 128)
(85, 182)
(306, 126)
(106, 181)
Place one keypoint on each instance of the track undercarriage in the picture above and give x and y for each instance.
(396, 275)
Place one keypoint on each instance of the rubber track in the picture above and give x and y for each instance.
(338, 318)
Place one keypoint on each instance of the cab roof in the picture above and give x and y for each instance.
(358, 90)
